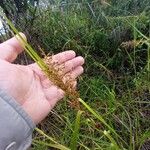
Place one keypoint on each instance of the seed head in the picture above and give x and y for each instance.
(55, 74)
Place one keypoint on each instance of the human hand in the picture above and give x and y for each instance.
(28, 84)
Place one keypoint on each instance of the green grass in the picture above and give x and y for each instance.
(115, 88)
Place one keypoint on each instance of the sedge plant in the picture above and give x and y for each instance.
(55, 76)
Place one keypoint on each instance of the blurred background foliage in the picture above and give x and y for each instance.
(116, 82)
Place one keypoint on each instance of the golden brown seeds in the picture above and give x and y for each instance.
(55, 73)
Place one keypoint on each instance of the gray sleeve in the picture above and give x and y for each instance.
(15, 125)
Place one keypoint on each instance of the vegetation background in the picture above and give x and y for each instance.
(114, 38)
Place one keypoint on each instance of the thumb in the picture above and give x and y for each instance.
(10, 49)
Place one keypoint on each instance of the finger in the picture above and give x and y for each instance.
(63, 57)
(59, 58)
(46, 83)
(75, 85)
(71, 76)
(76, 72)
(53, 95)
(10, 49)
(72, 64)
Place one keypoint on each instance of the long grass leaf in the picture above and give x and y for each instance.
(100, 118)
(75, 135)
(56, 144)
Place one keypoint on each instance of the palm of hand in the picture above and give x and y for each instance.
(28, 85)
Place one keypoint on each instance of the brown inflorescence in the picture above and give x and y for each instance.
(131, 44)
(55, 74)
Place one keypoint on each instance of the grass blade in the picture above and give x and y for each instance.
(75, 135)
(55, 145)
(100, 118)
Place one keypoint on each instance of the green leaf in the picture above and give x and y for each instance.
(75, 135)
